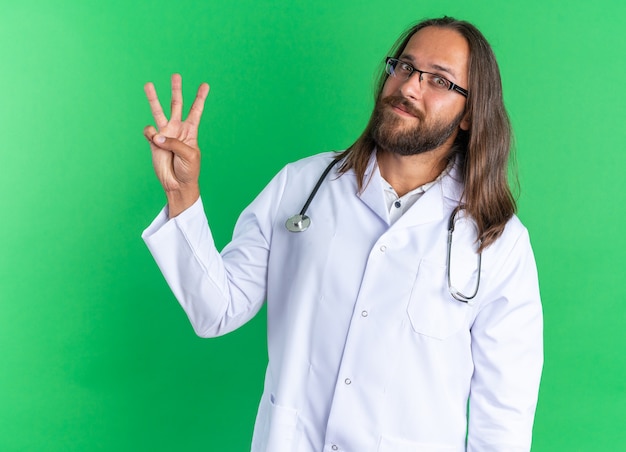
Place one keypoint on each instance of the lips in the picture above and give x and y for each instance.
(403, 105)
(403, 109)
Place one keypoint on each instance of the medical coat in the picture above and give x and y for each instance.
(368, 351)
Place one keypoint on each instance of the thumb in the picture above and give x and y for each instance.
(177, 147)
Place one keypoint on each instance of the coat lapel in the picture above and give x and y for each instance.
(372, 194)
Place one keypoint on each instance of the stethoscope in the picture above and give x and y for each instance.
(301, 222)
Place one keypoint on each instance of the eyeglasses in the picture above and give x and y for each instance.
(403, 70)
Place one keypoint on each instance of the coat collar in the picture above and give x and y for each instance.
(430, 207)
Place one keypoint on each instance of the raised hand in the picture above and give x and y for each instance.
(174, 146)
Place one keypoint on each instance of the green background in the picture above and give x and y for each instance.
(97, 354)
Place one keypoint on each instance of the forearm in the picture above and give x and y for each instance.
(184, 252)
(218, 292)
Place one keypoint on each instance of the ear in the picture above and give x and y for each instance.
(465, 122)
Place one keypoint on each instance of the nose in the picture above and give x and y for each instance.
(412, 87)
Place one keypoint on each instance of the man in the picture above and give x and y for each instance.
(379, 330)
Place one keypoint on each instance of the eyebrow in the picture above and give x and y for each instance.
(437, 67)
(444, 69)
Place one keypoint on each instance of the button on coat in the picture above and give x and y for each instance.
(419, 355)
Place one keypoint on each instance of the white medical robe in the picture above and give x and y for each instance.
(368, 351)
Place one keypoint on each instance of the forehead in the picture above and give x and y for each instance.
(439, 49)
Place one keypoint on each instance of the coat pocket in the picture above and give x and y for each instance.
(433, 312)
(283, 431)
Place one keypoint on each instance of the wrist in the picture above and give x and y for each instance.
(180, 200)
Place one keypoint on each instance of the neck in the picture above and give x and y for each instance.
(407, 172)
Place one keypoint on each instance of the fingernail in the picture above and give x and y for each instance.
(159, 139)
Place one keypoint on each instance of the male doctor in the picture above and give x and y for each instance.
(382, 334)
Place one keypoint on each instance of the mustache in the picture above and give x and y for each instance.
(396, 101)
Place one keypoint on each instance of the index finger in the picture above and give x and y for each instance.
(155, 105)
(195, 112)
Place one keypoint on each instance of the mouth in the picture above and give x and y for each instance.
(402, 111)
(402, 107)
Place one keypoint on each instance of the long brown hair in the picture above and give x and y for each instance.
(483, 150)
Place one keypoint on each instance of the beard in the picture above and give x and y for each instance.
(391, 135)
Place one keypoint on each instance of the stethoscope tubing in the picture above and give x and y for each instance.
(453, 291)
(318, 185)
(301, 222)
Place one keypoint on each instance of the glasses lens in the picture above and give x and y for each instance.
(436, 82)
(390, 66)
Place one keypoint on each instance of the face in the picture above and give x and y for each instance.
(409, 118)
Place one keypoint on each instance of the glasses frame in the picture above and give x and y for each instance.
(393, 62)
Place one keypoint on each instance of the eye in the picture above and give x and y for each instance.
(438, 81)
(403, 67)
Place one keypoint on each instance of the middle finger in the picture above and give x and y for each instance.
(177, 97)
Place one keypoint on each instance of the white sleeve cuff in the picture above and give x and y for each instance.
(163, 218)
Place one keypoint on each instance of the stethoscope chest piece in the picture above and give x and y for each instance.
(298, 223)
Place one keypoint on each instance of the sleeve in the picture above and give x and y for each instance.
(507, 350)
(218, 292)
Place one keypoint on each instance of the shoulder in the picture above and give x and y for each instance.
(311, 166)
(513, 245)
(514, 232)
(306, 171)
(514, 227)
(317, 161)
(298, 176)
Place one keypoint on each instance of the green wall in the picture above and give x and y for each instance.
(95, 352)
